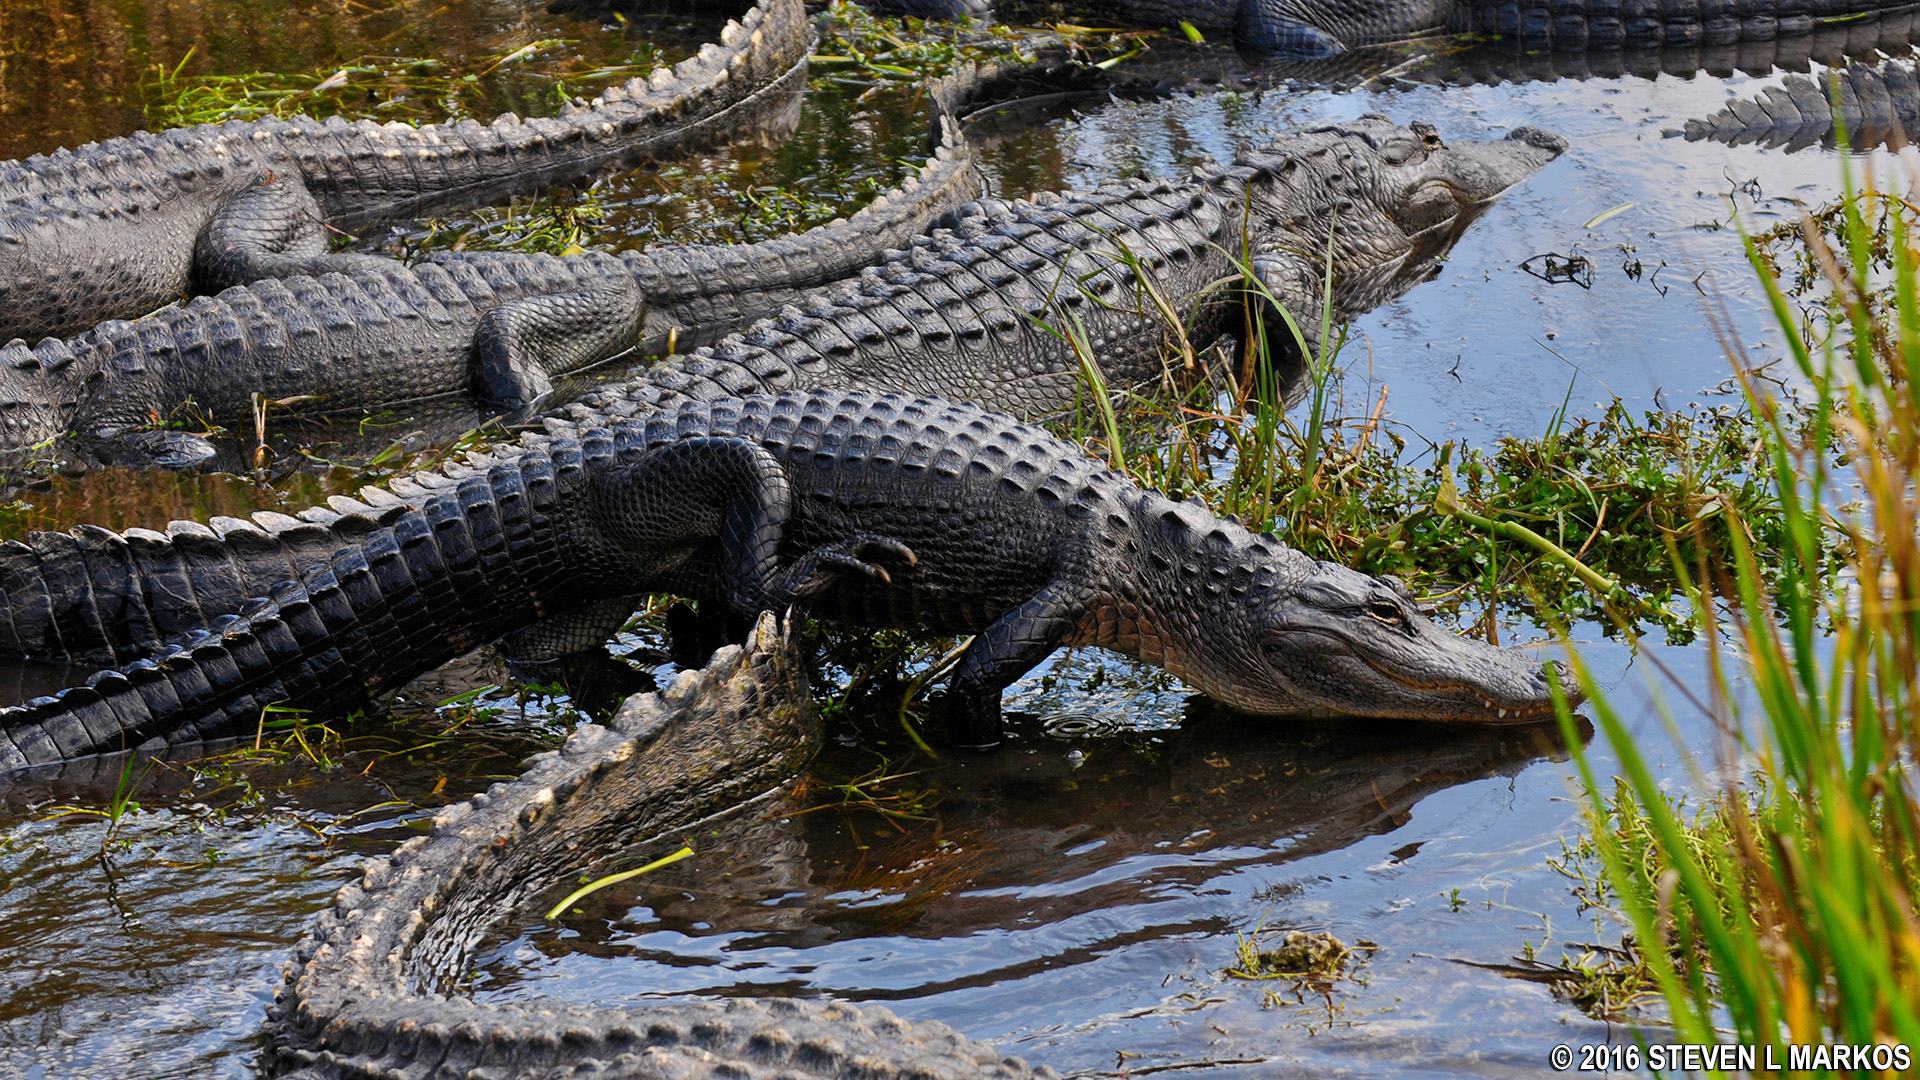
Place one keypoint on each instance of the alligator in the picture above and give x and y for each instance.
(877, 510)
(971, 310)
(500, 325)
(352, 1003)
(1877, 104)
(118, 228)
(999, 305)
(1830, 44)
(1311, 28)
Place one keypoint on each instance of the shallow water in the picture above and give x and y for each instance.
(1075, 899)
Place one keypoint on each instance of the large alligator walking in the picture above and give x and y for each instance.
(500, 325)
(352, 1003)
(876, 510)
(1317, 28)
(118, 228)
(995, 307)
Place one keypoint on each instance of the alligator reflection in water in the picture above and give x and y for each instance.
(1029, 867)
(1879, 105)
(1457, 61)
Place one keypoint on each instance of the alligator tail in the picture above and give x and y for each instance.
(330, 609)
(680, 282)
(360, 997)
(1572, 25)
(384, 594)
(37, 389)
(359, 171)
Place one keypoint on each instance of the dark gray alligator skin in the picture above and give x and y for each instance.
(353, 1003)
(1831, 44)
(981, 309)
(877, 510)
(1878, 104)
(118, 228)
(1321, 27)
(978, 310)
(1170, 65)
(502, 326)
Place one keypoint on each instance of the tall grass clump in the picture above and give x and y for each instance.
(1800, 922)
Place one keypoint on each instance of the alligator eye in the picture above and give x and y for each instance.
(1399, 153)
(1387, 612)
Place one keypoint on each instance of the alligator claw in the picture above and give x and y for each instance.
(812, 573)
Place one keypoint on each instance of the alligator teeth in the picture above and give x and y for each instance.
(1502, 712)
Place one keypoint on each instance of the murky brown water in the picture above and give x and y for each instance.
(1074, 898)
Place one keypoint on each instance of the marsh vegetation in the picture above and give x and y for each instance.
(1131, 839)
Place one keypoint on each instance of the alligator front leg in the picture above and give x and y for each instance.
(1008, 648)
(272, 228)
(522, 344)
(731, 497)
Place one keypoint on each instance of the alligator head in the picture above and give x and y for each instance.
(1391, 198)
(1266, 629)
(1347, 642)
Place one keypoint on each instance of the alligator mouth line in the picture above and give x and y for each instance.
(1455, 691)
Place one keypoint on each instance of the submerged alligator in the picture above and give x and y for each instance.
(973, 311)
(502, 326)
(1877, 104)
(1315, 28)
(118, 228)
(353, 1004)
(876, 510)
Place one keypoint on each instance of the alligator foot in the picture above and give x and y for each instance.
(271, 228)
(595, 681)
(973, 720)
(693, 637)
(520, 345)
(811, 574)
(570, 633)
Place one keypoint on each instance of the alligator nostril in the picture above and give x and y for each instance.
(1533, 136)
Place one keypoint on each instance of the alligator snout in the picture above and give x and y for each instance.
(1545, 140)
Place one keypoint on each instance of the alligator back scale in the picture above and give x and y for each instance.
(874, 509)
(501, 326)
(118, 228)
(359, 998)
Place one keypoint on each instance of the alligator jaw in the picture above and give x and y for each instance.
(1333, 641)
(1358, 645)
(1437, 676)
